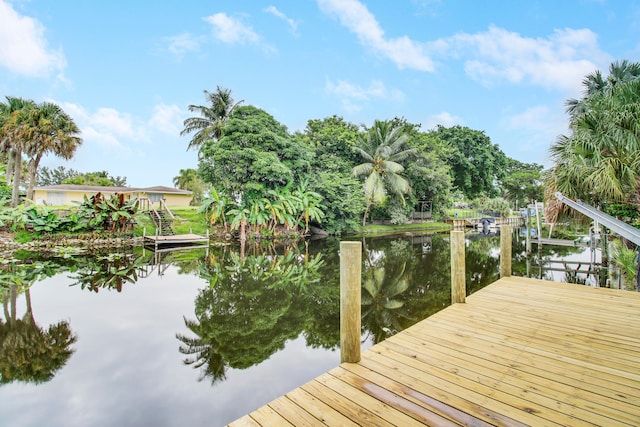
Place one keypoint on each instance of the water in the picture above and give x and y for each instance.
(203, 337)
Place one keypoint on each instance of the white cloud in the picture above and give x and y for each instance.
(402, 51)
(182, 43)
(232, 31)
(444, 119)
(560, 60)
(354, 96)
(107, 126)
(536, 127)
(167, 119)
(23, 47)
(274, 11)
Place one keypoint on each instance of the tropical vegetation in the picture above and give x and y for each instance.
(34, 130)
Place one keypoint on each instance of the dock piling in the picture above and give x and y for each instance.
(458, 279)
(350, 296)
(505, 251)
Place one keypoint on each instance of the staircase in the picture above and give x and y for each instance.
(163, 222)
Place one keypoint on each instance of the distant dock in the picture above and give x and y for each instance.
(176, 241)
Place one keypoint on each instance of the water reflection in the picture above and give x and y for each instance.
(266, 322)
(252, 306)
(28, 352)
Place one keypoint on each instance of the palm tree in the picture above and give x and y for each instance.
(595, 83)
(382, 151)
(12, 116)
(49, 130)
(600, 160)
(184, 178)
(211, 119)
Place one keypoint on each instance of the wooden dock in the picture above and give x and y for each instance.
(173, 241)
(518, 352)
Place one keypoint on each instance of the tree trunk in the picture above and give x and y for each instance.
(33, 169)
(13, 291)
(366, 212)
(9, 171)
(17, 165)
(243, 238)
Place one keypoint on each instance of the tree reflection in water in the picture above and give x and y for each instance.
(28, 352)
(253, 305)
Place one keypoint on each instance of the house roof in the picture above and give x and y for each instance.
(97, 189)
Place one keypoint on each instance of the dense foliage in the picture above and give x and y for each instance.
(599, 160)
(114, 214)
(385, 172)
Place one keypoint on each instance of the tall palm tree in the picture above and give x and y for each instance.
(382, 151)
(211, 118)
(600, 160)
(595, 83)
(184, 178)
(49, 130)
(13, 115)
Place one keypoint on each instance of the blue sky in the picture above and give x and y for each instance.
(127, 70)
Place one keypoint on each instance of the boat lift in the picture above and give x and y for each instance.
(622, 228)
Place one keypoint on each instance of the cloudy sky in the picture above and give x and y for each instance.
(127, 70)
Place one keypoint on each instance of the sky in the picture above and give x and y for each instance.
(126, 71)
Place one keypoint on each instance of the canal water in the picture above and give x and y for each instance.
(204, 336)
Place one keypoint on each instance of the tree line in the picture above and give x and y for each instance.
(384, 171)
(355, 173)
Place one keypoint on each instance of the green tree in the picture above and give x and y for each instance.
(522, 182)
(46, 176)
(254, 154)
(214, 206)
(14, 131)
(211, 118)
(599, 161)
(476, 163)
(382, 151)
(429, 173)
(188, 179)
(29, 353)
(330, 142)
(98, 179)
(595, 83)
(309, 205)
(50, 131)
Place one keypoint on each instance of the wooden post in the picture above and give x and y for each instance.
(350, 290)
(505, 251)
(458, 279)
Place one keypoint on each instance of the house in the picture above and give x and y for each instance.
(67, 194)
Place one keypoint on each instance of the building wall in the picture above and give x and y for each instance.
(177, 199)
(41, 196)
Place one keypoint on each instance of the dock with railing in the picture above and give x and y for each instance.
(518, 352)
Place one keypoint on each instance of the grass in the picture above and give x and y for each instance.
(187, 220)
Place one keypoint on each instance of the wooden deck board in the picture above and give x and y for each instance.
(518, 352)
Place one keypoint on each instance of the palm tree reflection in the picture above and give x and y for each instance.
(28, 352)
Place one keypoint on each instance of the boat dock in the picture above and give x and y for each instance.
(169, 242)
(518, 352)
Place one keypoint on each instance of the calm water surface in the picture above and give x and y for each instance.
(203, 337)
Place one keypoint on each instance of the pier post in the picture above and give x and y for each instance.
(505, 251)
(458, 279)
(350, 295)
